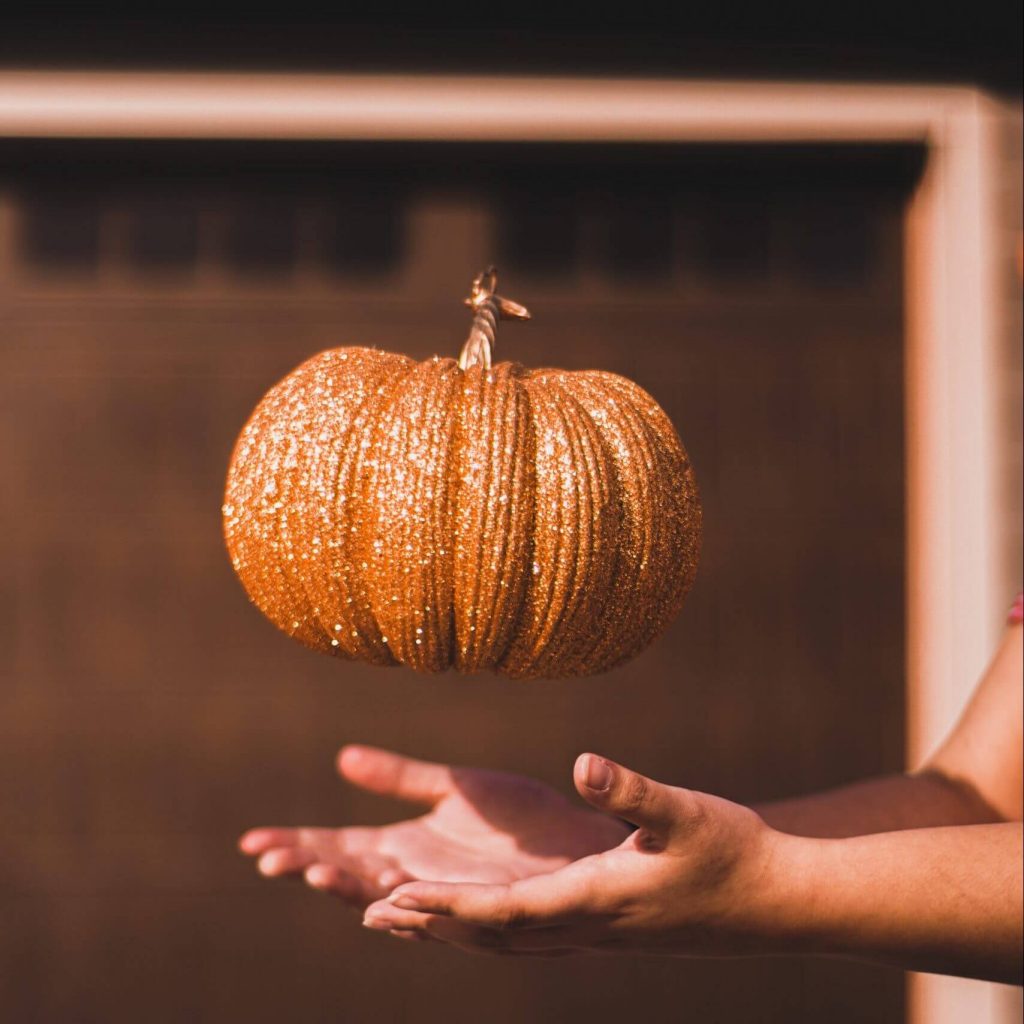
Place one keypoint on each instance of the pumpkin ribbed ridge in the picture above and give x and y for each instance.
(493, 491)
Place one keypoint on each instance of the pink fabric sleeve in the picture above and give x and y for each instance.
(1017, 611)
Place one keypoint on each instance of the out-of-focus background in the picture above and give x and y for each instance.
(151, 290)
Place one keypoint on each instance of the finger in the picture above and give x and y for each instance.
(383, 916)
(627, 794)
(353, 879)
(259, 840)
(537, 902)
(410, 936)
(345, 886)
(285, 861)
(328, 844)
(390, 774)
(391, 878)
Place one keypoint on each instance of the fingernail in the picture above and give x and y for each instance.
(598, 774)
(379, 924)
(404, 901)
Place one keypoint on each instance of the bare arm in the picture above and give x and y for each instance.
(706, 877)
(974, 778)
(943, 900)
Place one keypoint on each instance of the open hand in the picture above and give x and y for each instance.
(481, 826)
(692, 880)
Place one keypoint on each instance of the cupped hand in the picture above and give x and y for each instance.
(696, 878)
(481, 827)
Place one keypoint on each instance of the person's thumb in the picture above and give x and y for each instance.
(616, 790)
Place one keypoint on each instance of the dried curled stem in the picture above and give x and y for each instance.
(488, 308)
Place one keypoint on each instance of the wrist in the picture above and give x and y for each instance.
(785, 902)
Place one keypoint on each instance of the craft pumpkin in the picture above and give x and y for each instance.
(454, 514)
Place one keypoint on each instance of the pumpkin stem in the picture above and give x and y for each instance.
(488, 308)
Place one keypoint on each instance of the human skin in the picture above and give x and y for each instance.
(921, 871)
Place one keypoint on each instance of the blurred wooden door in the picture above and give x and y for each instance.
(148, 715)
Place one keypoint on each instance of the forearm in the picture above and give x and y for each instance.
(974, 778)
(943, 900)
(928, 799)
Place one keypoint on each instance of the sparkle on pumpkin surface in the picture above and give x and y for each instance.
(534, 523)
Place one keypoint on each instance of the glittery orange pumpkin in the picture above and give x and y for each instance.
(453, 514)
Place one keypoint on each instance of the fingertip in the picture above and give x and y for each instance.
(284, 861)
(412, 887)
(391, 878)
(319, 876)
(405, 889)
(405, 899)
(333, 881)
(433, 898)
(350, 756)
(360, 763)
(593, 774)
(376, 911)
(253, 841)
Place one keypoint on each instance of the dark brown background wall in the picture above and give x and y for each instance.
(148, 714)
